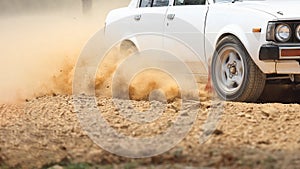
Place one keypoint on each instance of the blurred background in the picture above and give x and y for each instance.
(41, 40)
(17, 7)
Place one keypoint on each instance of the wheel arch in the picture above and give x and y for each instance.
(212, 39)
(230, 34)
(132, 41)
(235, 31)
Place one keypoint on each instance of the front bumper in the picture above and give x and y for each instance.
(286, 58)
(276, 52)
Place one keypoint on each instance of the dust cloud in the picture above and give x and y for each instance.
(145, 84)
(40, 42)
(141, 87)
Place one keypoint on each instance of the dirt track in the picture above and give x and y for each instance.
(45, 131)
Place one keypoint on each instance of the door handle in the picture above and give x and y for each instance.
(137, 17)
(171, 16)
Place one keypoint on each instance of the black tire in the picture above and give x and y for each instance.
(235, 76)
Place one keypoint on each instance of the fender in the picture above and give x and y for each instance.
(211, 42)
(134, 41)
(237, 31)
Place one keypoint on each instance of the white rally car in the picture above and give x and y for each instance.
(245, 44)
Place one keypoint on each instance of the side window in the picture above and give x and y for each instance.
(189, 2)
(154, 3)
(160, 3)
(145, 3)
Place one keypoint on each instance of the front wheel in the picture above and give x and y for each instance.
(234, 75)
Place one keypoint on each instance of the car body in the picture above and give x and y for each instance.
(243, 45)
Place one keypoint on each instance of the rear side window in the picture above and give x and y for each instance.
(153, 3)
(189, 2)
(160, 2)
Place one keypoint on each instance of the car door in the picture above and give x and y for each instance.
(149, 18)
(185, 21)
(150, 15)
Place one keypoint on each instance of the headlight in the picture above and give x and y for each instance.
(283, 32)
(298, 32)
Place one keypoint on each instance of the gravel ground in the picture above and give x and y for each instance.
(45, 132)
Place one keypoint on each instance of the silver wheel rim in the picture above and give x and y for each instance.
(229, 70)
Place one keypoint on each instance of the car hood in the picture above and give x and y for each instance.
(282, 9)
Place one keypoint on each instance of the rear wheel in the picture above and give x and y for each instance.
(234, 75)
